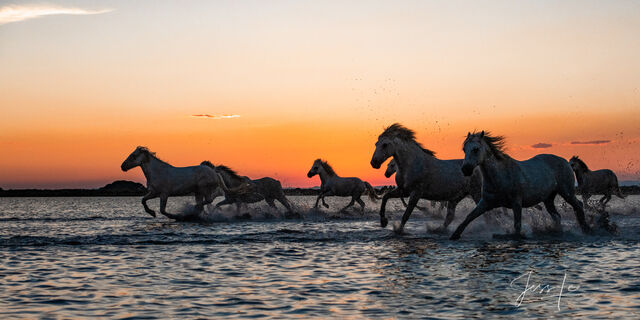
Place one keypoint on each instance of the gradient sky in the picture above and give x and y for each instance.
(82, 83)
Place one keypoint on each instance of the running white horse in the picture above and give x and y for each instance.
(165, 180)
(334, 185)
(602, 181)
(517, 184)
(421, 174)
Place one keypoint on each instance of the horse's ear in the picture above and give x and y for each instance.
(468, 134)
(482, 134)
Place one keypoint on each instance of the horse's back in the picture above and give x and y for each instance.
(548, 171)
(268, 186)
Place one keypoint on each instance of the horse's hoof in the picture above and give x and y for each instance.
(439, 230)
(399, 231)
(454, 236)
(383, 222)
(325, 205)
(152, 213)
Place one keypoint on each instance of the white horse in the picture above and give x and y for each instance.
(421, 174)
(165, 180)
(334, 185)
(517, 184)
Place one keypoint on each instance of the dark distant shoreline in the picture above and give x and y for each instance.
(122, 188)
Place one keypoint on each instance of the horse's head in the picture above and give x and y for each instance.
(139, 156)
(576, 163)
(475, 150)
(391, 168)
(385, 148)
(315, 168)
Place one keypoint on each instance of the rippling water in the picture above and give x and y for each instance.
(90, 257)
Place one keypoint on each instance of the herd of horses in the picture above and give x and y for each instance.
(487, 174)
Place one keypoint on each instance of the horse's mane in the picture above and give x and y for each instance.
(146, 150)
(397, 130)
(580, 163)
(496, 143)
(228, 171)
(327, 167)
(208, 164)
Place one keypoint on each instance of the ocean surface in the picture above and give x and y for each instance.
(105, 257)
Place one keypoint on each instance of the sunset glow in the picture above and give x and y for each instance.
(291, 81)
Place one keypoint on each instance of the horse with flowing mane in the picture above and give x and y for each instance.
(267, 189)
(421, 174)
(165, 180)
(334, 185)
(517, 184)
(602, 181)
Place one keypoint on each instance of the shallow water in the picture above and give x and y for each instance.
(89, 257)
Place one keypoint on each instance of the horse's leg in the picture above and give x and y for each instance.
(517, 217)
(351, 203)
(199, 201)
(271, 203)
(480, 208)
(226, 200)
(150, 195)
(577, 209)
(413, 201)
(163, 207)
(315, 206)
(605, 199)
(585, 200)
(324, 203)
(361, 203)
(403, 202)
(283, 200)
(393, 193)
(451, 214)
(555, 216)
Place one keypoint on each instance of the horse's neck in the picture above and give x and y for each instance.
(492, 171)
(324, 176)
(411, 155)
(399, 177)
(152, 167)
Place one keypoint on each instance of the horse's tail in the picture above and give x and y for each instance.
(616, 189)
(371, 191)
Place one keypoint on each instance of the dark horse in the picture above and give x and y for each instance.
(602, 181)
(517, 184)
(267, 189)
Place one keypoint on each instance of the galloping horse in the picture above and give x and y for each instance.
(602, 181)
(165, 180)
(267, 189)
(333, 185)
(517, 184)
(397, 192)
(422, 174)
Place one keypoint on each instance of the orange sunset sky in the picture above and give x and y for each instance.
(82, 83)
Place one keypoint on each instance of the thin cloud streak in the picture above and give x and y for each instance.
(591, 142)
(15, 13)
(216, 117)
(542, 145)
